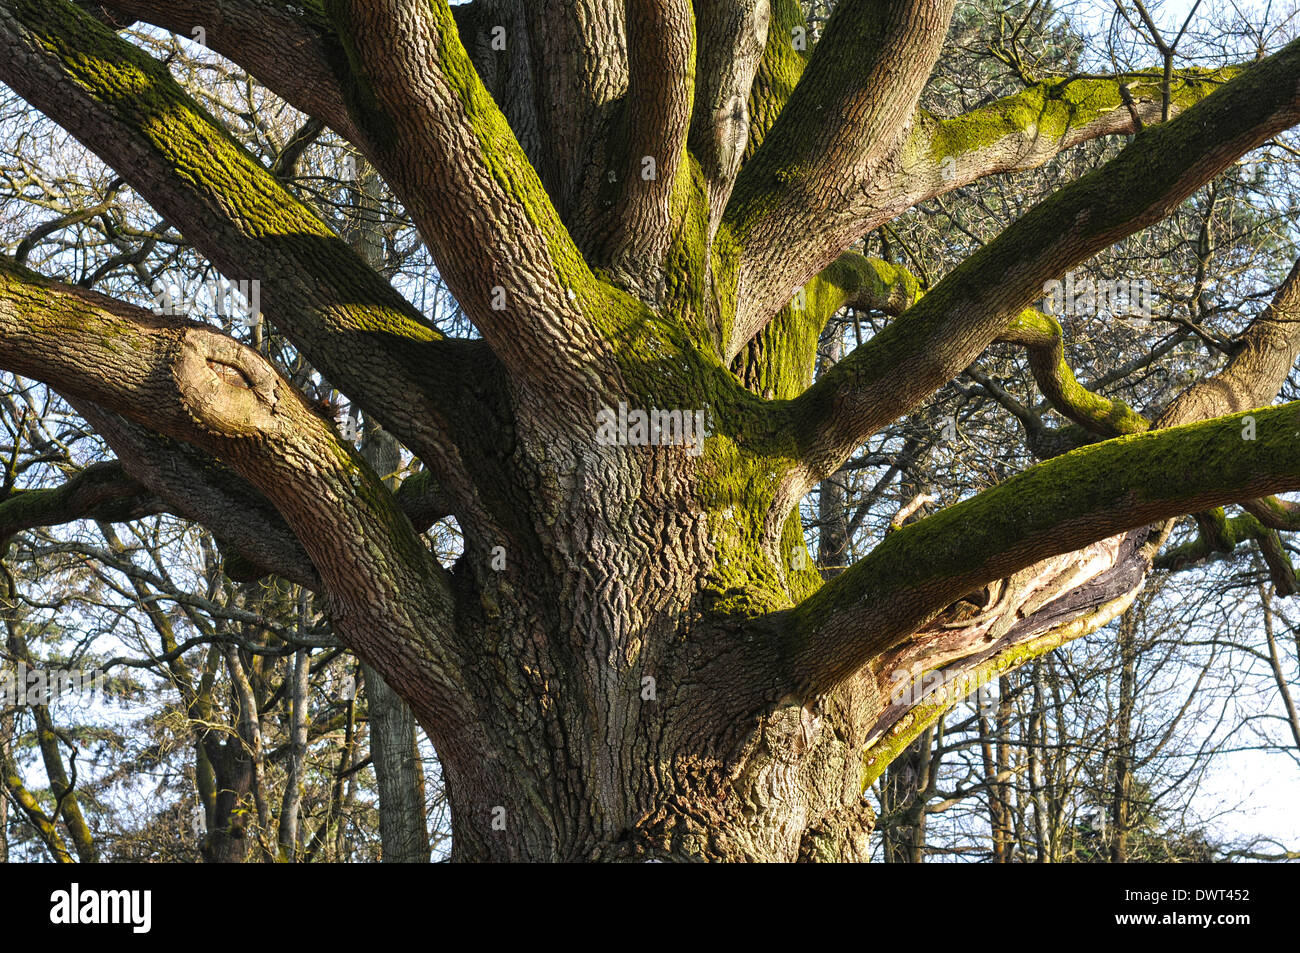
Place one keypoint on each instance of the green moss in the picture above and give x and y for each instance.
(510, 166)
(778, 72)
(1055, 106)
(139, 92)
(877, 756)
(1159, 474)
(1100, 415)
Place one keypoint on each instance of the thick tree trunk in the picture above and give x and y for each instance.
(632, 659)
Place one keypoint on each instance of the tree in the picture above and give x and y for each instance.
(648, 211)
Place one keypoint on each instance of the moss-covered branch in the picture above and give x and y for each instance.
(846, 116)
(947, 329)
(102, 491)
(1042, 337)
(1018, 132)
(779, 70)
(1026, 129)
(867, 284)
(125, 106)
(445, 147)
(278, 45)
(1056, 507)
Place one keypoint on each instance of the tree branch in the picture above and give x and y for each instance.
(198, 487)
(102, 491)
(1025, 130)
(1041, 336)
(1056, 507)
(125, 106)
(850, 111)
(387, 595)
(731, 38)
(283, 49)
(1014, 133)
(947, 329)
(444, 146)
(640, 222)
(561, 84)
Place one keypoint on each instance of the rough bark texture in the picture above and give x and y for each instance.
(634, 658)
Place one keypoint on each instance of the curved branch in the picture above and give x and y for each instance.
(387, 595)
(1056, 507)
(848, 114)
(867, 284)
(1017, 132)
(102, 491)
(283, 49)
(947, 329)
(125, 106)
(1041, 336)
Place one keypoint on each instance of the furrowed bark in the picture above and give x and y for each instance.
(792, 200)
(283, 49)
(731, 38)
(640, 222)
(346, 319)
(446, 149)
(574, 79)
(387, 596)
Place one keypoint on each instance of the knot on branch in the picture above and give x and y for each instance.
(225, 387)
